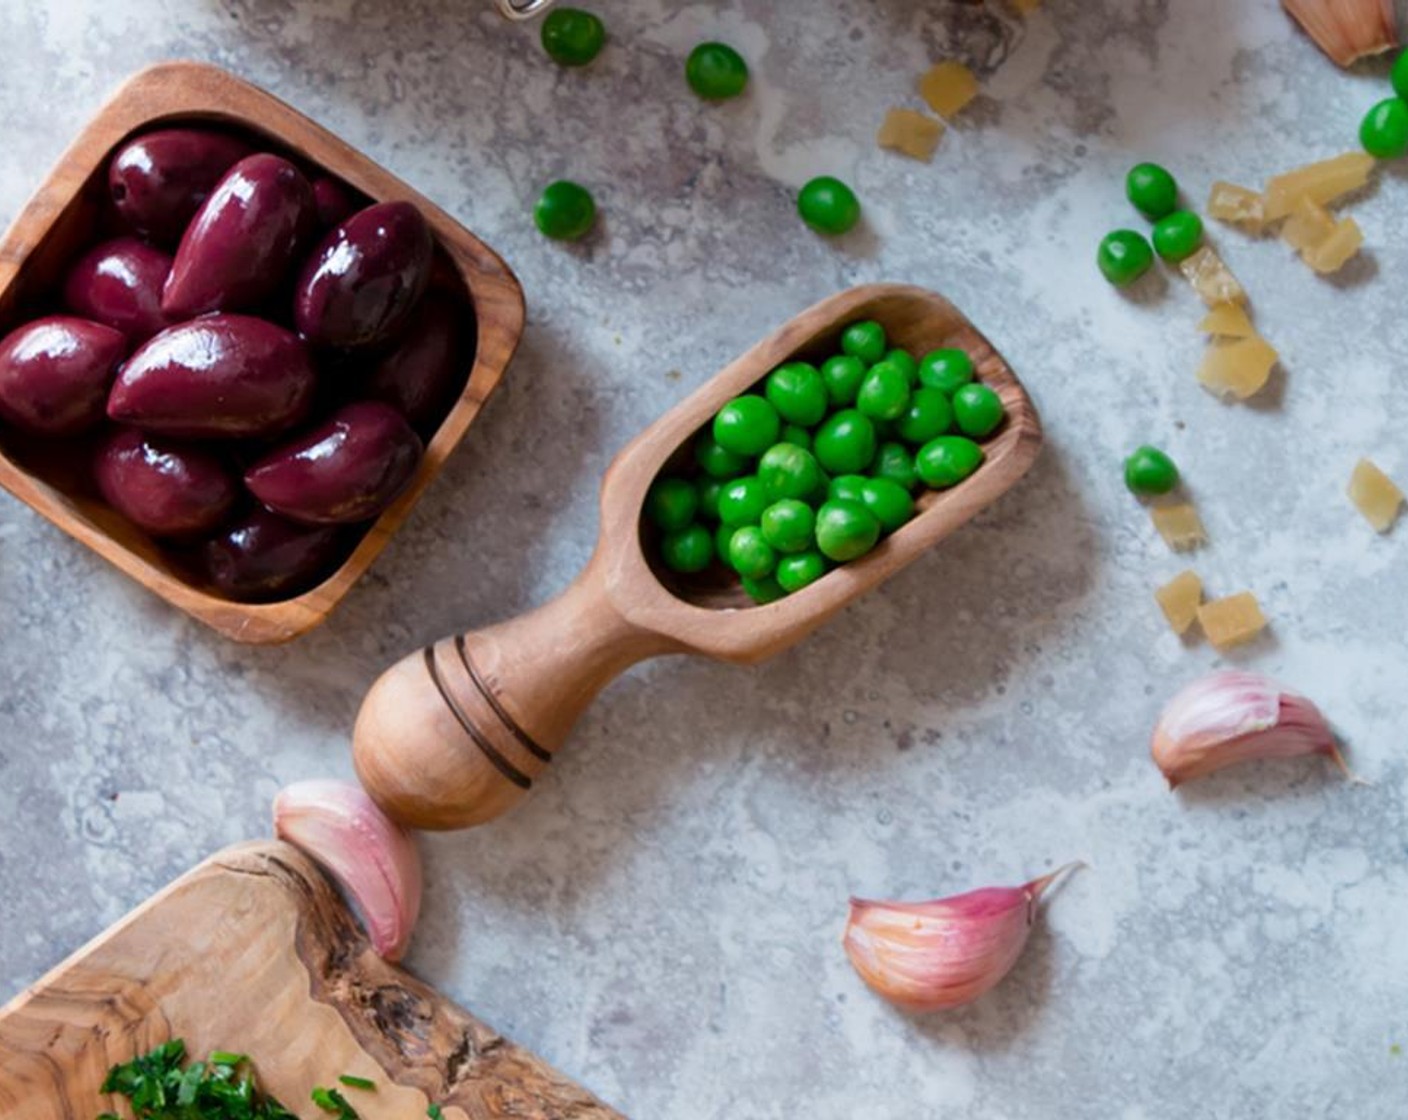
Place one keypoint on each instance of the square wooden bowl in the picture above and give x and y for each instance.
(62, 217)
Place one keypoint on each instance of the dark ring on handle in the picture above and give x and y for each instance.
(501, 764)
(522, 736)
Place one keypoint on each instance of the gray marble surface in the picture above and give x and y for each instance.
(662, 919)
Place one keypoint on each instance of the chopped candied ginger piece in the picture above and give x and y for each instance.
(948, 87)
(1179, 599)
(1334, 252)
(1231, 621)
(1180, 526)
(1321, 182)
(911, 133)
(1238, 367)
(1237, 206)
(1227, 320)
(1309, 225)
(1375, 495)
(1211, 279)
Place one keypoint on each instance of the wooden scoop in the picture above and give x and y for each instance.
(454, 735)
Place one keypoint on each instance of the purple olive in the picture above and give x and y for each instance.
(220, 377)
(262, 557)
(235, 252)
(347, 469)
(335, 201)
(425, 368)
(365, 278)
(119, 283)
(55, 373)
(158, 181)
(166, 488)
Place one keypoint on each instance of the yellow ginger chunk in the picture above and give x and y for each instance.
(1237, 206)
(1334, 252)
(1211, 279)
(1179, 599)
(1227, 320)
(1375, 495)
(1321, 182)
(911, 133)
(1237, 367)
(948, 87)
(1180, 526)
(1231, 621)
(1309, 225)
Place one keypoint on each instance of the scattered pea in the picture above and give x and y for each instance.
(798, 392)
(1384, 130)
(888, 501)
(788, 471)
(846, 488)
(884, 394)
(947, 370)
(1152, 189)
(843, 375)
(1148, 471)
(573, 37)
(828, 205)
(928, 414)
(1399, 75)
(796, 572)
(716, 461)
(742, 501)
(978, 410)
(947, 460)
(565, 211)
(672, 504)
(749, 553)
(788, 525)
(1124, 256)
(864, 340)
(893, 461)
(845, 443)
(1179, 234)
(715, 71)
(688, 550)
(845, 530)
(747, 425)
(763, 591)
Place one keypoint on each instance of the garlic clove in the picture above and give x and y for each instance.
(1347, 30)
(1236, 716)
(929, 956)
(372, 859)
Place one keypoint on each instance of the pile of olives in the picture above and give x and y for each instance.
(250, 357)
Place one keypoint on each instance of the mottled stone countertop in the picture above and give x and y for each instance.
(662, 918)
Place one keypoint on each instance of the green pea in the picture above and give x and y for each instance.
(927, 415)
(742, 501)
(1384, 130)
(884, 394)
(845, 530)
(763, 591)
(1124, 256)
(747, 425)
(947, 460)
(749, 554)
(845, 443)
(796, 572)
(893, 461)
(672, 503)
(789, 525)
(788, 471)
(843, 375)
(708, 491)
(1399, 75)
(1153, 190)
(687, 550)
(798, 392)
(846, 488)
(1180, 233)
(573, 37)
(797, 436)
(828, 205)
(905, 361)
(978, 410)
(715, 71)
(565, 211)
(722, 535)
(947, 370)
(864, 340)
(888, 501)
(1148, 471)
(716, 461)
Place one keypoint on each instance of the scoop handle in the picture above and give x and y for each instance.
(455, 734)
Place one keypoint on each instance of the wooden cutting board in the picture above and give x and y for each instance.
(254, 951)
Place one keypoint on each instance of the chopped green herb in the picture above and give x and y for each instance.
(226, 1058)
(160, 1089)
(357, 1082)
(434, 1112)
(330, 1100)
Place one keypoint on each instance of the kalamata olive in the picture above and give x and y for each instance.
(243, 239)
(425, 368)
(365, 278)
(347, 469)
(218, 377)
(263, 556)
(158, 181)
(335, 200)
(169, 489)
(55, 373)
(119, 283)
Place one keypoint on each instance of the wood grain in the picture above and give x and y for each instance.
(253, 951)
(63, 216)
(454, 735)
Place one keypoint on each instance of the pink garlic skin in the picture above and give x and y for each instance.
(371, 858)
(1233, 716)
(931, 956)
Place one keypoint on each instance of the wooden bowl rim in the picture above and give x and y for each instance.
(171, 91)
